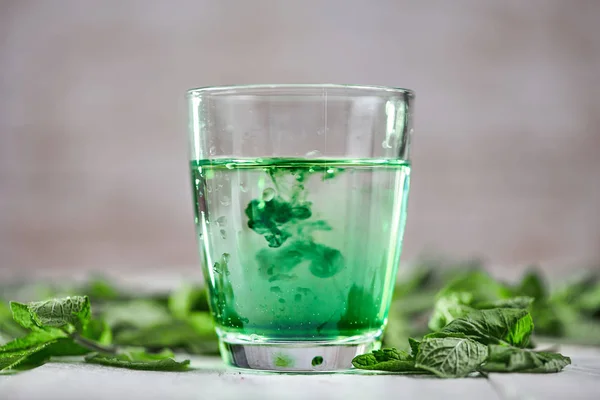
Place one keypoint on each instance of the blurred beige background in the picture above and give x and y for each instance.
(93, 171)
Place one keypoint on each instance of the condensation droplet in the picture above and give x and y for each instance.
(223, 234)
(268, 194)
(225, 200)
(313, 153)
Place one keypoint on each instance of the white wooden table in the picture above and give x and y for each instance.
(210, 380)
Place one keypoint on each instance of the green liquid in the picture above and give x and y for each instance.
(300, 249)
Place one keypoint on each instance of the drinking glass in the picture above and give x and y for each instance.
(300, 198)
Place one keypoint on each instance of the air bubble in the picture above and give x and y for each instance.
(313, 154)
(223, 234)
(212, 151)
(386, 145)
(243, 187)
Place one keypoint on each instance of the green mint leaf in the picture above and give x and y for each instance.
(514, 302)
(369, 362)
(449, 307)
(589, 301)
(495, 326)
(9, 329)
(140, 360)
(414, 347)
(186, 299)
(479, 284)
(99, 331)
(391, 360)
(511, 359)
(13, 358)
(33, 349)
(195, 334)
(390, 354)
(58, 313)
(138, 313)
(21, 315)
(450, 357)
(100, 288)
(532, 285)
(33, 339)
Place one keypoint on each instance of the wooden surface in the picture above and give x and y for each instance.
(211, 380)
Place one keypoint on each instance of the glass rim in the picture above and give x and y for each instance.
(244, 89)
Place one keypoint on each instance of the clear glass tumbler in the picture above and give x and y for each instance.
(300, 197)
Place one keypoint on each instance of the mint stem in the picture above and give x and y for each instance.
(91, 345)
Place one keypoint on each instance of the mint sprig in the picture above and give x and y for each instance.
(64, 326)
(140, 360)
(491, 340)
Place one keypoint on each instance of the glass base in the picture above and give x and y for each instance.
(296, 356)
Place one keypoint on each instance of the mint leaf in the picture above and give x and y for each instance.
(13, 358)
(414, 347)
(140, 360)
(390, 360)
(495, 326)
(532, 285)
(390, 354)
(28, 349)
(449, 307)
(33, 339)
(514, 302)
(21, 315)
(138, 313)
(74, 311)
(479, 284)
(186, 299)
(96, 335)
(99, 331)
(9, 331)
(196, 334)
(100, 288)
(450, 357)
(511, 359)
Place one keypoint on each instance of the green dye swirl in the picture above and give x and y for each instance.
(285, 222)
